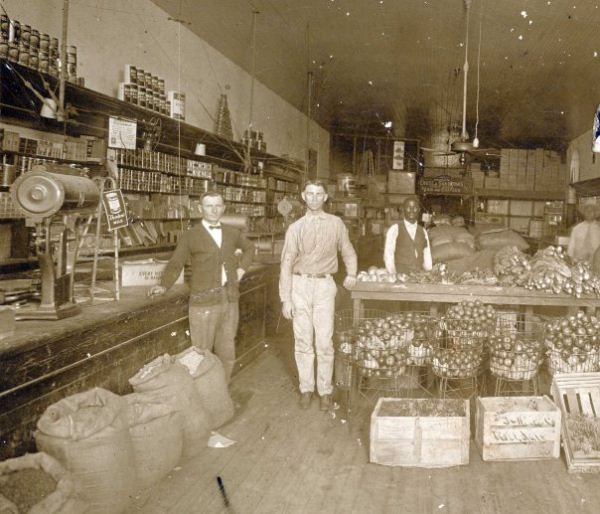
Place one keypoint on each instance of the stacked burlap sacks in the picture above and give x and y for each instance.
(64, 498)
(208, 374)
(166, 381)
(450, 242)
(88, 434)
(494, 237)
(156, 431)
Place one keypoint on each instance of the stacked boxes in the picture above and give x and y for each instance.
(529, 170)
(141, 88)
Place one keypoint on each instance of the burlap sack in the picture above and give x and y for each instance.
(169, 382)
(88, 434)
(156, 431)
(209, 378)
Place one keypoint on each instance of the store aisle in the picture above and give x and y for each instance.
(287, 460)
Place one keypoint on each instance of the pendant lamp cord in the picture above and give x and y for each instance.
(478, 70)
(466, 72)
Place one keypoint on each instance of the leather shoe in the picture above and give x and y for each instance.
(305, 400)
(325, 402)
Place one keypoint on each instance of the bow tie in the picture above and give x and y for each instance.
(215, 227)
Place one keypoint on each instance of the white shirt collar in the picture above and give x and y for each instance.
(208, 225)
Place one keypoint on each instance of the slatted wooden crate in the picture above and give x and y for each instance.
(422, 440)
(578, 396)
(517, 428)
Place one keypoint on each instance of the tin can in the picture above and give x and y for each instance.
(34, 61)
(72, 54)
(23, 55)
(142, 96)
(3, 49)
(14, 31)
(155, 84)
(54, 43)
(161, 86)
(53, 70)
(25, 34)
(43, 61)
(44, 42)
(13, 52)
(34, 40)
(141, 77)
(4, 27)
(134, 94)
(148, 80)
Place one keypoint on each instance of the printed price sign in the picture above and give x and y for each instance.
(398, 159)
(122, 133)
(114, 207)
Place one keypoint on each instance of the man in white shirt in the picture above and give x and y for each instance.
(406, 242)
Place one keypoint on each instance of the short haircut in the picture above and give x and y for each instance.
(211, 194)
(314, 182)
(411, 198)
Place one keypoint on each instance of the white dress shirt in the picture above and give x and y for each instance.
(389, 252)
(217, 236)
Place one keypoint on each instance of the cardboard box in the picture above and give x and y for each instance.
(517, 428)
(147, 272)
(423, 439)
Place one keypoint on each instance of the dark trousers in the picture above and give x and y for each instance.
(213, 327)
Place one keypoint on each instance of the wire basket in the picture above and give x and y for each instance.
(571, 346)
(457, 353)
(381, 346)
(346, 330)
(516, 349)
(415, 330)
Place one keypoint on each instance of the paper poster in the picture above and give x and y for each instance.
(122, 133)
(398, 158)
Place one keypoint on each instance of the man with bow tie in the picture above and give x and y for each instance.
(211, 249)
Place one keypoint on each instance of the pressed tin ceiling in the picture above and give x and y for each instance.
(402, 60)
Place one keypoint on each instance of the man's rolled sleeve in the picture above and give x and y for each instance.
(347, 251)
(288, 257)
(389, 252)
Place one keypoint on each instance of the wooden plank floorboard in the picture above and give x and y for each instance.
(287, 460)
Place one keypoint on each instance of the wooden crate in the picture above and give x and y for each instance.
(419, 440)
(517, 428)
(577, 394)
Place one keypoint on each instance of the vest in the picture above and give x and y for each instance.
(405, 256)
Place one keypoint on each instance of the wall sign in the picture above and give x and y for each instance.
(114, 207)
(398, 158)
(122, 133)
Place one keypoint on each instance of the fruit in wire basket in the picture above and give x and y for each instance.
(452, 362)
(467, 320)
(515, 355)
(573, 344)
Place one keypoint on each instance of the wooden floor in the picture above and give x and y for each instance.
(288, 460)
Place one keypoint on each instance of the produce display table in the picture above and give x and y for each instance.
(434, 294)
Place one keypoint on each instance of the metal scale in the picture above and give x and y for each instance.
(55, 200)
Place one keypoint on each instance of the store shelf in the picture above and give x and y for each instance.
(60, 160)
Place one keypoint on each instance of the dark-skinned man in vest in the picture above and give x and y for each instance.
(211, 249)
(406, 242)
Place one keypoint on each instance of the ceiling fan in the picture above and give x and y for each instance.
(462, 146)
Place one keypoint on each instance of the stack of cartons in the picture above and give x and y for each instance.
(521, 171)
(530, 171)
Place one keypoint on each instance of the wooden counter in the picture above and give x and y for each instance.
(104, 346)
(434, 294)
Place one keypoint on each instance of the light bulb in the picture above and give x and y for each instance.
(476, 142)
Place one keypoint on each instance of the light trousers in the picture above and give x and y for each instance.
(214, 327)
(313, 300)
